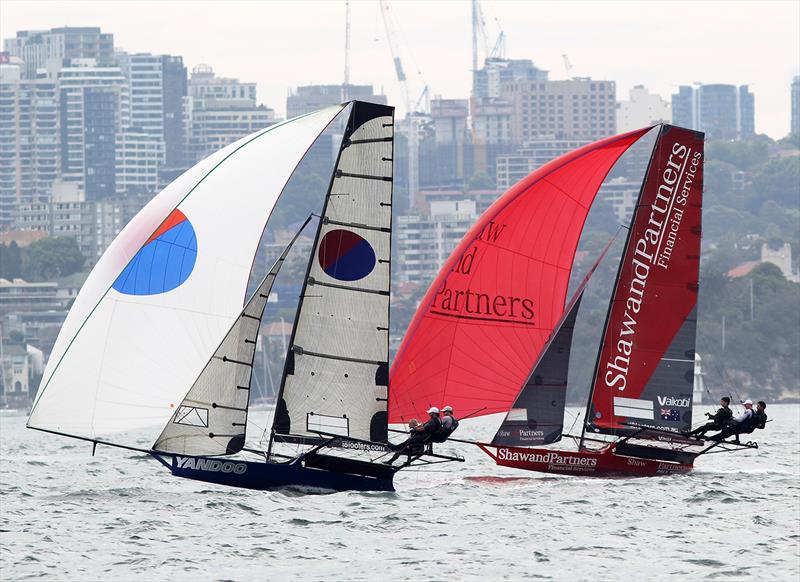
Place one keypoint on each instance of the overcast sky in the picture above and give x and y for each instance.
(284, 44)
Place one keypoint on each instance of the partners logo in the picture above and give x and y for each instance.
(453, 300)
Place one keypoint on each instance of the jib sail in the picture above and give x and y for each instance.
(486, 317)
(537, 415)
(335, 380)
(645, 367)
(212, 418)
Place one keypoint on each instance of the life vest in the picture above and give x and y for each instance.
(452, 429)
(759, 419)
(444, 432)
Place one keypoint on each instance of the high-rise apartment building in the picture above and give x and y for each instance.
(579, 108)
(720, 111)
(93, 104)
(218, 111)
(444, 149)
(157, 87)
(41, 49)
(28, 138)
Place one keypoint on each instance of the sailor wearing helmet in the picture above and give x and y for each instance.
(421, 434)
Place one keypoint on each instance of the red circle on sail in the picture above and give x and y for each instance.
(346, 256)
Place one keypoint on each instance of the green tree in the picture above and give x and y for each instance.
(52, 257)
(778, 180)
(742, 154)
(10, 261)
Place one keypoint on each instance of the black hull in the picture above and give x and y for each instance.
(315, 472)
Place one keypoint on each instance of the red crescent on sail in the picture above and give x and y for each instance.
(487, 315)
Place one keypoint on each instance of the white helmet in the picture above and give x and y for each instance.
(447, 409)
(432, 410)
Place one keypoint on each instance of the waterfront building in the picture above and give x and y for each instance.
(511, 168)
(29, 156)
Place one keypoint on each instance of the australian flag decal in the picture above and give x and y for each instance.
(670, 414)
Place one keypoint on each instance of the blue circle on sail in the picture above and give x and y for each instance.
(164, 262)
(346, 256)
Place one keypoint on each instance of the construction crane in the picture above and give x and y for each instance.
(567, 66)
(413, 113)
(346, 83)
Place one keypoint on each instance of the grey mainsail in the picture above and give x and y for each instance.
(336, 376)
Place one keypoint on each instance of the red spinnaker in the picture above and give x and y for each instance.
(485, 318)
(646, 363)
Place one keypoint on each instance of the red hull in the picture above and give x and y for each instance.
(600, 463)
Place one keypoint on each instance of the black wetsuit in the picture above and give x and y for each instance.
(419, 437)
(719, 421)
(745, 426)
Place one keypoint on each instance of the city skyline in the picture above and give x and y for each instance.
(710, 46)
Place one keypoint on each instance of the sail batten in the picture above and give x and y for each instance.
(335, 379)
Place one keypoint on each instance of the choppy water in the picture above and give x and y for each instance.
(121, 516)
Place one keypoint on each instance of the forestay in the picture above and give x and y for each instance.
(136, 339)
(336, 374)
(212, 419)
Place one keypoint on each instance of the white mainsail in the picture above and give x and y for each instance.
(168, 289)
(336, 376)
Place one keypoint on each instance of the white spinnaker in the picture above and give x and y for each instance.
(124, 362)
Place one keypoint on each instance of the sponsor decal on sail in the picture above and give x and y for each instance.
(450, 300)
(652, 249)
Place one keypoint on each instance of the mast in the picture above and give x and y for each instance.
(645, 364)
(335, 377)
(279, 397)
(656, 145)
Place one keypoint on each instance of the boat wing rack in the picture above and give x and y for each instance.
(681, 443)
(424, 458)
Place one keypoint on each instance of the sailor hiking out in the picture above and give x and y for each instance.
(419, 436)
(718, 421)
(449, 425)
(747, 422)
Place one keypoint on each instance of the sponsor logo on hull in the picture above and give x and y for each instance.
(550, 458)
(210, 465)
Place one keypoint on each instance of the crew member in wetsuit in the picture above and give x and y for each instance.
(719, 420)
(741, 424)
(759, 416)
(449, 424)
(420, 435)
